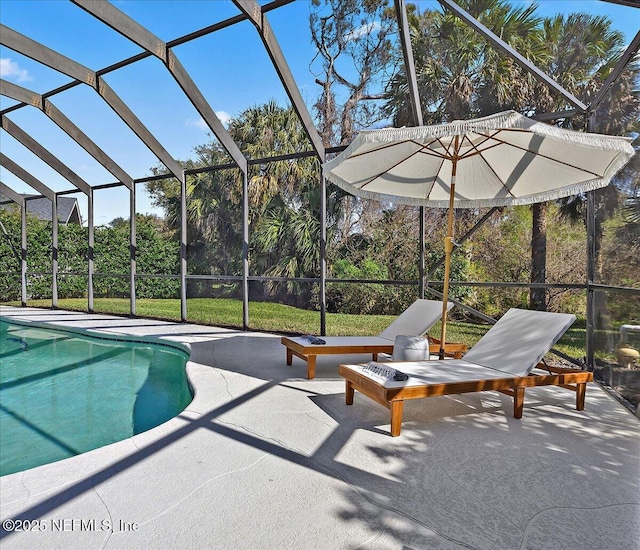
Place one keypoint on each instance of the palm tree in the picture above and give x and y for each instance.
(459, 74)
(284, 201)
(214, 231)
(583, 49)
(266, 131)
(631, 175)
(214, 198)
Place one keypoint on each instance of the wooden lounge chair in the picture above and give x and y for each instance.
(416, 320)
(502, 360)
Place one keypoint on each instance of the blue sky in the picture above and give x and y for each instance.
(230, 67)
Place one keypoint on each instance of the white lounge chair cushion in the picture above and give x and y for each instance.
(343, 341)
(425, 373)
(519, 340)
(416, 320)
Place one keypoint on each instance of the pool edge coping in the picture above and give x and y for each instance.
(183, 347)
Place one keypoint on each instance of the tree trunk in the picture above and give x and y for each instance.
(601, 312)
(537, 296)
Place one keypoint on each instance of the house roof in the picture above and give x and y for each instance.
(68, 211)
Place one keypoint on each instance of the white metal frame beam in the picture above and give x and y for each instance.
(132, 30)
(44, 154)
(409, 63)
(42, 54)
(26, 177)
(627, 57)
(13, 195)
(259, 19)
(34, 99)
(41, 188)
(19, 200)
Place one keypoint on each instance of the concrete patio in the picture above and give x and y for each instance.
(264, 458)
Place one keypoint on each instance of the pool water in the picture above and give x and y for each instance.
(62, 394)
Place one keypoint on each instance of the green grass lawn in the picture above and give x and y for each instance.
(282, 319)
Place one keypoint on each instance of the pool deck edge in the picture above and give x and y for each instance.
(264, 458)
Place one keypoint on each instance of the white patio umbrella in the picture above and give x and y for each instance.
(499, 160)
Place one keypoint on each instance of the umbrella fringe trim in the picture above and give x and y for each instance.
(501, 121)
(551, 195)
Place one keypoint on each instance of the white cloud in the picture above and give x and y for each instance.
(364, 30)
(224, 117)
(197, 123)
(10, 69)
(202, 125)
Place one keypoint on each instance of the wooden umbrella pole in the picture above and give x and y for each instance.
(448, 248)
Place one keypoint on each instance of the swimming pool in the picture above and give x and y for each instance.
(62, 394)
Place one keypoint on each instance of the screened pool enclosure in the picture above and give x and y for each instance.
(245, 217)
